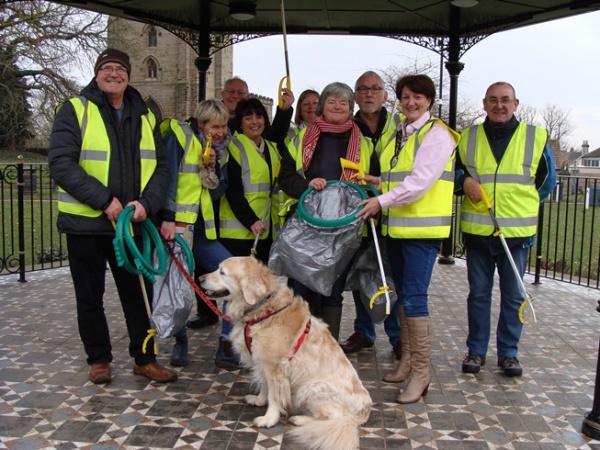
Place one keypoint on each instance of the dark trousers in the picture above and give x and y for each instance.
(88, 256)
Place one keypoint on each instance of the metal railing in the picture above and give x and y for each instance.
(567, 247)
(30, 240)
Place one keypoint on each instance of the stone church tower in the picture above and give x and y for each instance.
(163, 69)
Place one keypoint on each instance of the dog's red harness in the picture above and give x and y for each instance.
(249, 324)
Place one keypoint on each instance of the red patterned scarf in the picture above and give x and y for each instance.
(314, 132)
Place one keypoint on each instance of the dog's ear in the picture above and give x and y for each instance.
(255, 284)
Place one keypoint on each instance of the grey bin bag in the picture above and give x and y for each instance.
(364, 276)
(173, 297)
(314, 255)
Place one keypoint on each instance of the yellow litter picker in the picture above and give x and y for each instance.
(286, 79)
(528, 299)
(384, 289)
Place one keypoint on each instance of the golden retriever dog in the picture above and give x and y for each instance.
(301, 370)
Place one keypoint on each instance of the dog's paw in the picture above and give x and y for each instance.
(255, 400)
(300, 420)
(265, 421)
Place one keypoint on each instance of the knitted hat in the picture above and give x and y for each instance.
(114, 56)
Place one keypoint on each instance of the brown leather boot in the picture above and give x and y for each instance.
(100, 373)
(419, 335)
(402, 370)
(155, 372)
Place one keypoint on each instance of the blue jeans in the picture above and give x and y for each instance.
(365, 325)
(412, 263)
(481, 263)
(208, 254)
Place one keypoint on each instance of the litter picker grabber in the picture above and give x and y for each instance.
(384, 289)
(206, 154)
(267, 207)
(528, 299)
(287, 78)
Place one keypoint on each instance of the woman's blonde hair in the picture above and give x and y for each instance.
(211, 109)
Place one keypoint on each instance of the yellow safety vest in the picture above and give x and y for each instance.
(430, 216)
(389, 131)
(257, 181)
(510, 186)
(191, 195)
(95, 153)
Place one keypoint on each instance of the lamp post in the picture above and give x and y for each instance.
(591, 423)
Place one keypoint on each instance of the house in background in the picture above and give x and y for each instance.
(585, 163)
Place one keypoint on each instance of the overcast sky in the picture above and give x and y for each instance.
(556, 62)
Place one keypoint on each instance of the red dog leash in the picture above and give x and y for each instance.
(197, 289)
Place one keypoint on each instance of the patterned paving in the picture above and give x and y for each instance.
(47, 402)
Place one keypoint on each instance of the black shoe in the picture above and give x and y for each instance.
(226, 357)
(510, 366)
(202, 321)
(179, 356)
(473, 363)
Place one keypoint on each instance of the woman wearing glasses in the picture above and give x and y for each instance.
(417, 180)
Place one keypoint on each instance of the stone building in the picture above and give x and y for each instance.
(163, 68)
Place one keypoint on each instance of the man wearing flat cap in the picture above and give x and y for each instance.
(106, 153)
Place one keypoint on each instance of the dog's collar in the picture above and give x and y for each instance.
(260, 304)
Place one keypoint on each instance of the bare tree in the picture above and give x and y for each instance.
(44, 48)
(467, 113)
(558, 123)
(527, 114)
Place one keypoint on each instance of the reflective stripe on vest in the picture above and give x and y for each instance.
(510, 186)
(95, 153)
(189, 186)
(257, 181)
(430, 216)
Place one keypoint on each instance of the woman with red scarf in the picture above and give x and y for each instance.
(312, 158)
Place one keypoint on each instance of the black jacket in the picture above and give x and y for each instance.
(124, 179)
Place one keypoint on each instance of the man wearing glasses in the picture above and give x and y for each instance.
(374, 122)
(512, 162)
(105, 154)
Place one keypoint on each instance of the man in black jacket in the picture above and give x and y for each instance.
(106, 153)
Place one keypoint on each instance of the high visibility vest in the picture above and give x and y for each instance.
(510, 185)
(191, 195)
(95, 153)
(430, 216)
(389, 131)
(257, 181)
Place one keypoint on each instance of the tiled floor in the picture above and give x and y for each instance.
(47, 402)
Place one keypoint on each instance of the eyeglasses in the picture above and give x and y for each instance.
(362, 90)
(235, 91)
(500, 101)
(109, 69)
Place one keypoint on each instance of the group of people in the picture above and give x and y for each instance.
(108, 152)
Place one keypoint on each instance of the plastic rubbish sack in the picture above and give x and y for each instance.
(317, 255)
(173, 297)
(364, 276)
